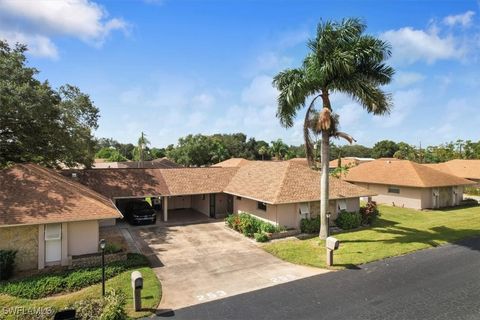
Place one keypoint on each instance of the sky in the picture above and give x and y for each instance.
(171, 67)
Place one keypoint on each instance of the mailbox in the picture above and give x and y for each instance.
(137, 280)
(332, 243)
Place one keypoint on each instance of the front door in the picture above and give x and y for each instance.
(229, 204)
(212, 205)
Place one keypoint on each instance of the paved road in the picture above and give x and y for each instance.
(439, 283)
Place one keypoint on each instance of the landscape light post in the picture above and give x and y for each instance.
(102, 246)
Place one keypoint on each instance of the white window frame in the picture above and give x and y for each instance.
(342, 204)
(53, 236)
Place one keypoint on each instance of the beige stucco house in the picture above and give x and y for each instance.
(408, 184)
(280, 192)
(48, 218)
(468, 169)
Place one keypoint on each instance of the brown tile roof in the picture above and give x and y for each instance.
(232, 162)
(160, 163)
(31, 194)
(154, 182)
(402, 173)
(469, 169)
(278, 182)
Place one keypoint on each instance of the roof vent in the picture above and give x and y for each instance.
(74, 175)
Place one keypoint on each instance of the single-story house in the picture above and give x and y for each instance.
(280, 192)
(163, 163)
(347, 162)
(468, 169)
(48, 218)
(408, 184)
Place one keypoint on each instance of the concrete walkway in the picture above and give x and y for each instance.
(201, 262)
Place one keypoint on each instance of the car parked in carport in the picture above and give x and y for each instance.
(140, 212)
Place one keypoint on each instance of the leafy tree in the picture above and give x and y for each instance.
(157, 153)
(405, 152)
(105, 153)
(263, 150)
(39, 124)
(115, 156)
(279, 149)
(384, 149)
(340, 59)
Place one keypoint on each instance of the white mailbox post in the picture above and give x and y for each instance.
(331, 244)
(137, 286)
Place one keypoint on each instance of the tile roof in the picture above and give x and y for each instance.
(118, 183)
(348, 161)
(269, 181)
(232, 162)
(469, 169)
(402, 173)
(31, 194)
(278, 182)
(160, 163)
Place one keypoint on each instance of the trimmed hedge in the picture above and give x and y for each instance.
(44, 285)
(7, 263)
(248, 225)
(348, 220)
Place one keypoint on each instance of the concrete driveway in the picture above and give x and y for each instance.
(201, 262)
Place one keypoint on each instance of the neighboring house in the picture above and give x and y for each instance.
(468, 169)
(232, 162)
(160, 163)
(348, 162)
(408, 184)
(280, 192)
(48, 218)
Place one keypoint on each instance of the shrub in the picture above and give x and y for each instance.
(311, 225)
(88, 308)
(114, 306)
(7, 263)
(112, 248)
(348, 220)
(40, 286)
(369, 212)
(248, 225)
(261, 237)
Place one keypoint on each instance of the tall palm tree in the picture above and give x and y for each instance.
(341, 59)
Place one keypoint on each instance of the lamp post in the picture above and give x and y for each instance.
(328, 223)
(102, 246)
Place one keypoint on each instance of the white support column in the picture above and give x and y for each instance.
(64, 261)
(165, 208)
(41, 246)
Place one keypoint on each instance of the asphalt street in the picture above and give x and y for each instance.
(438, 283)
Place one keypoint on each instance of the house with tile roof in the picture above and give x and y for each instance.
(408, 184)
(348, 162)
(280, 192)
(468, 169)
(48, 218)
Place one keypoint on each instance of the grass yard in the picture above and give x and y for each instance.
(397, 231)
(151, 294)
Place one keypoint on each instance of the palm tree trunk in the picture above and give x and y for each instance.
(324, 184)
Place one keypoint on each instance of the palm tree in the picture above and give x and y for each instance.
(263, 151)
(141, 145)
(341, 59)
(279, 149)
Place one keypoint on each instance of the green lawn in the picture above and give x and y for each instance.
(151, 294)
(398, 231)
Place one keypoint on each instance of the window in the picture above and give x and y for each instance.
(342, 204)
(53, 231)
(261, 206)
(393, 189)
(304, 208)
(239, 198)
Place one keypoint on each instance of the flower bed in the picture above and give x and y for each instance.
(253, 227)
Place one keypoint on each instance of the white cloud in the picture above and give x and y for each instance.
(404, 101)
(405, 79)
(38, 45)
(349, 114)
(464, 19)
(35, 22)
(203, 100)
(260, 92)
(411, 45)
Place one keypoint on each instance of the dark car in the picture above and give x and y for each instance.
(140, 212)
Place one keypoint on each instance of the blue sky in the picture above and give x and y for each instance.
(170, 68)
